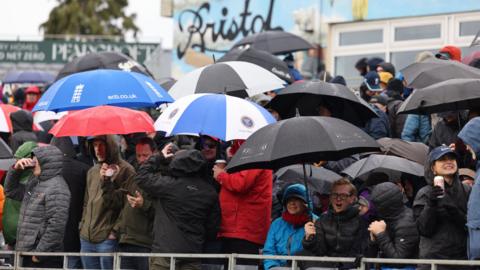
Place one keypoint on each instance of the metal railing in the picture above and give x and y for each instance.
(364, 263)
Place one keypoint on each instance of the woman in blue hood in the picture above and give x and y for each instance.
(286, 232)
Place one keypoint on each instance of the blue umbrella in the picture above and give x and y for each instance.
(102, 87)
(28, 76)
(225, 117)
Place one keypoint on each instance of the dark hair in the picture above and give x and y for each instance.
(148, 141)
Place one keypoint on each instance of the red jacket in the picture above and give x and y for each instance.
(246, 204)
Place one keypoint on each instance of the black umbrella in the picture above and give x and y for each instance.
(260, 58)
(306, 96)
(391, 165)
(301, 140)
(450, 95)
(414, 151)
(275, 42)
(6, 157)
(102, 60)
(28, 76)
(167, 82)
(431, 71)
(319, 179)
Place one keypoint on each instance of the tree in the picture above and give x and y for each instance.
(90, 17)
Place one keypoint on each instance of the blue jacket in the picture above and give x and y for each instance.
(283, 238)
(378, 127)
(417, 128)
(470, 135)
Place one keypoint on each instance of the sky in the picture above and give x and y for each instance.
(18, 22)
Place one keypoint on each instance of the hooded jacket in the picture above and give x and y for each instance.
(22, 122)
(283, 237)
(400, 240)
(75, 173)
(44, 210)
(246, 204)
(470, 136)
(187, 212)
(442, 227)
(417, 128)
(13, 200)
(103, 198)
(338, 235)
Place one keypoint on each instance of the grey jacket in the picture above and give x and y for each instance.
(46, 198)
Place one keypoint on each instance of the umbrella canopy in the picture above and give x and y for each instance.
(6, 157)
(103, 120)
(42, 116)
(391, 165)
(319, 179)
(5, 122)
(28, 76)
(235, 78)
(301, 140)
(340, 101)
(260, 58)
(275, 42)
(102, 60)
(414, 151)
(167, 82)
(450, 95)
(431, 71)
(225, 117)
(102, 87)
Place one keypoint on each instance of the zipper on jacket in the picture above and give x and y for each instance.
(91, 217)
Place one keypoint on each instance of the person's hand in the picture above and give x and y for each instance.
(377, 227)
(216, 171)
(112, 236)
(309, 230)
(434, 195)
(452, 146)
(24, 163)
(35, 259)
(167, 150)
(135, 201)
(103, 170)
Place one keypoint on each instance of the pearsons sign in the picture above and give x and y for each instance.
(60, 51)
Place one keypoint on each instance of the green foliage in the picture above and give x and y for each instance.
(90, 17)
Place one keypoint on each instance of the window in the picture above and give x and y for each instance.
(402, 59)
(469, 28)
(361, 37)
(417, 32)
(345, 66)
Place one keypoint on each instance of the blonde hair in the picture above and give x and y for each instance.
(344, 182)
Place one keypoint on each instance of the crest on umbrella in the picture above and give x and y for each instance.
(128, 65)
(247, 122)
(77, 94)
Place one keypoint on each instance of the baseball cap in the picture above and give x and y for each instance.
(439, 152)
(372, 81)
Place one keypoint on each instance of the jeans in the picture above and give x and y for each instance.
(136, 263)
(98, 262)
(74, 263)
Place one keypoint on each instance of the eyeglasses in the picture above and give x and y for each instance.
(341, 196)
(209, 145)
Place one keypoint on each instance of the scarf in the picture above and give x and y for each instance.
(295, 220)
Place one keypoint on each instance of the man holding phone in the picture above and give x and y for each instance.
(103, 201)
(135, 223)
(44, 210)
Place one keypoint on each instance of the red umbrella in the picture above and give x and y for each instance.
(5, 122)
(103, 120)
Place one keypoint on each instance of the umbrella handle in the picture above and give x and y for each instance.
(307, 195)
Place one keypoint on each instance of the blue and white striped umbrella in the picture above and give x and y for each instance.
(225, 117)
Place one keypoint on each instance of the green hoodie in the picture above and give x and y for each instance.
(11, 208)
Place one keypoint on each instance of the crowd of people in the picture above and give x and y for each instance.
(144, 193)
